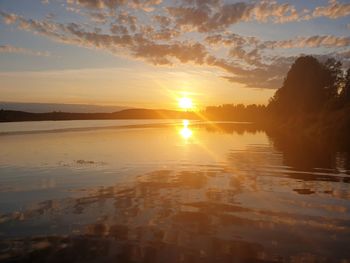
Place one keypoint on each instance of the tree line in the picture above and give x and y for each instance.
(309, 87)
(312, 87)
(314, 102)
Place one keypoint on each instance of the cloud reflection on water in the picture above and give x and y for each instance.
(263, 204)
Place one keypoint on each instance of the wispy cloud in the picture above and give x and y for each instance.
(313, 41)
(146, 5)
(190, 31)
(19, 50)
(333, 10)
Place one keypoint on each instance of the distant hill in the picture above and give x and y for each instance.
(12, 116)
(51, 107)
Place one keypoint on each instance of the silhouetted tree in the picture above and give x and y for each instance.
(345, 93)
(336, 77)
(232, 112)
(308, 85)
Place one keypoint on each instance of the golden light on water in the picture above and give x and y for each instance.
(185, 132)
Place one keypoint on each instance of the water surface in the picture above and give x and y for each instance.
(169, 191)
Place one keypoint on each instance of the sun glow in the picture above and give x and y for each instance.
(185, 132)
(185, 103)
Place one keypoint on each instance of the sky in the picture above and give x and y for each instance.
(150, 53)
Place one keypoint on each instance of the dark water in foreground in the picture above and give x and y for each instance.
(192, 192)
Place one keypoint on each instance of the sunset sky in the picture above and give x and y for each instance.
(147, 53)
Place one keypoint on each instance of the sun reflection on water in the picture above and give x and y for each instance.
(185, 131)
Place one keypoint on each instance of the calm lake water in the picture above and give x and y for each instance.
(169, 191)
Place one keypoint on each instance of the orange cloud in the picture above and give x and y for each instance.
(332, 10)
(189, 31)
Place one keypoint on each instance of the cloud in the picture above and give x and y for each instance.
(74, 34)
(235, 40)
(268, 77)
(163, 21)
(272, 11)
(99, 17)
(204, 19)
(137, 45)
(189, 31)
(252, 57)
(146, 5)
(18, 50)
(214, 15)
(98, 3)
(312, 42)
(164, 34)
(119, 29)
(245, 63)
(8, 18)
(333, 10)
(162, 54)
(73, 9)
(189, 19)
(128, 20)
(231, 40)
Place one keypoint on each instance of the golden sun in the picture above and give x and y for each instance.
(185, 103)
